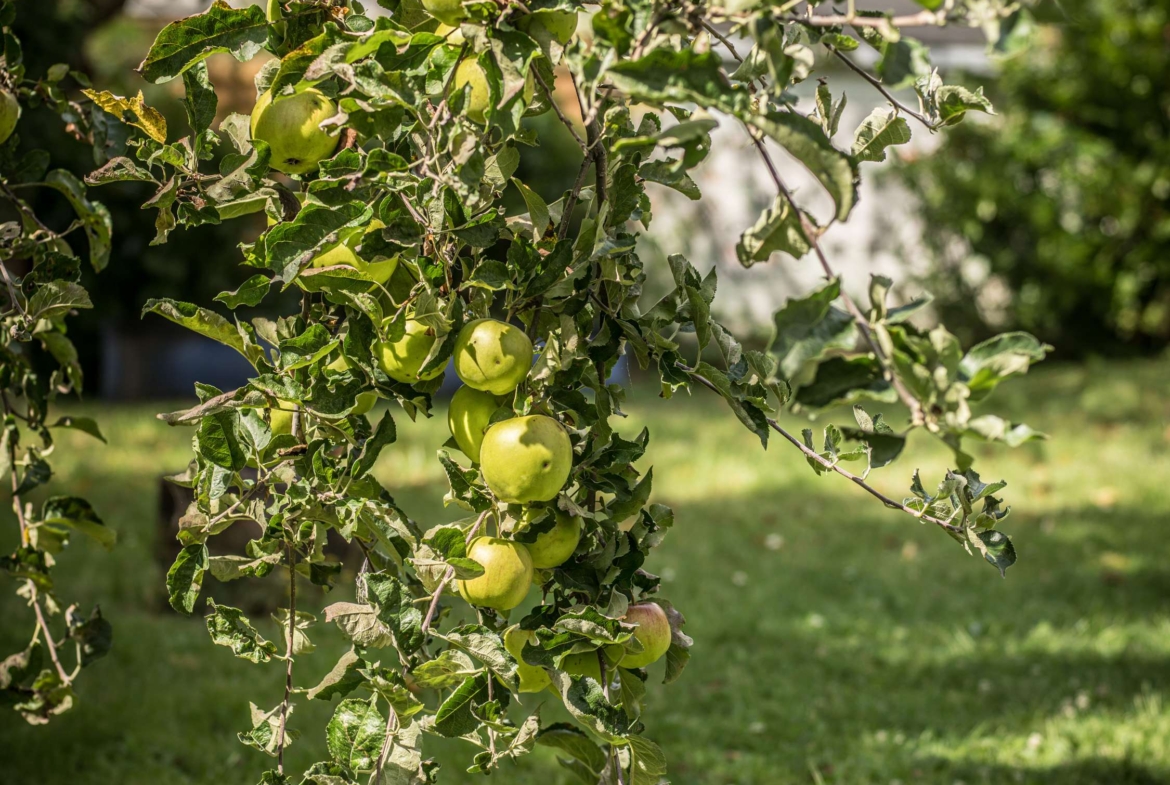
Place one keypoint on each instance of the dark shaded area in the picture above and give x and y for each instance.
(1055, 216)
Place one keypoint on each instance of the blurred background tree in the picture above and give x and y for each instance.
(1054, 217)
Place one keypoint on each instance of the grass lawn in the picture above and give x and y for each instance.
(836, 641)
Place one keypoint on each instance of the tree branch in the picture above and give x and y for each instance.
(920, 19)
(812, 454)
(288, 653)
(810, 231)
(557, 108)
(434, 606)
(881, 88)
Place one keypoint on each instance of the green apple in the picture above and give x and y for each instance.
(470, 72)
(403, 359)
(280, 420)
(453, 34)
(588, 663)
(291, 125)
(450, 12)
(526, 459)
(507, 574)
(492, 356)
(653, 633)
(345, 253)
(560, 24)
(554, 547)
(366, 400)
(532, 678)
(468, 417)
(9, 114)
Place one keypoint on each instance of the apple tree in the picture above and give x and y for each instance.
(380, 149)
(38, 363)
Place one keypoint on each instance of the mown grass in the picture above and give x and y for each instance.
(836, 641)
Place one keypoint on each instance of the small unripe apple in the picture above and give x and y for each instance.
(366, 400)
(507, 574)
(280, 420)
(345, 253)
(588, 663)
(653, 633)
(554, 547)
(468, 418)
(470, 72)
(492, 356)
(403, 359)
(291, 125)
(9, 115)
(453, 34)
(560, 24)
(526, 459)
(450, 12)
(532, 678)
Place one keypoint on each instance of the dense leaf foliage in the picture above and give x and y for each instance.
(38, 362)
(383, 181)
(1056, 217)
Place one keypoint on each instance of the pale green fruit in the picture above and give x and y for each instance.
(291, 125)
(554, 547)
(345, 254)
(468, 417)
(653, 633)
(526, 459)
(560, 24)
(9, 114)
(280, 420)
(403, 359)
(450, 12)
(588, 664)
(366, 400)
(453, 34)
(470, 72)
(492, 356)
(507, 574)
(532, 677)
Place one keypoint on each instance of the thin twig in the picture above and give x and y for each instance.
(426, 625)
(11, 289)
(920, 19)
(881, 88)
(18, 508)
(812, 454)
(387, 743)
(557, 108)
(288, 654)
(810, 232)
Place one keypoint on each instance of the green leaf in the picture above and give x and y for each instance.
(809, 328)
(451, 667)
(804, 140)
(229, 627)
(307, 348)
(953, 102)
(83, 424)
(343, 679)
(777, 229)
(207, 323)
(487, 647)
(221, 28)
(685, 76)
(290, 246)
(218, 442)
(94, 216)
(649, 764)
(94, 635)
(185, 578)
(997, 548)
(989, 363)
(250, 292)
(880, 130)
(76, 513)
(454, 717)
(55, 299)
(394, 605)
(537, 209)
(356, 733)
(572, 741)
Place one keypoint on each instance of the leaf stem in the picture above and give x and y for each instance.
(426, 625)
(288, 653)
(916, 414)
(387, 743)
(813, 455)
